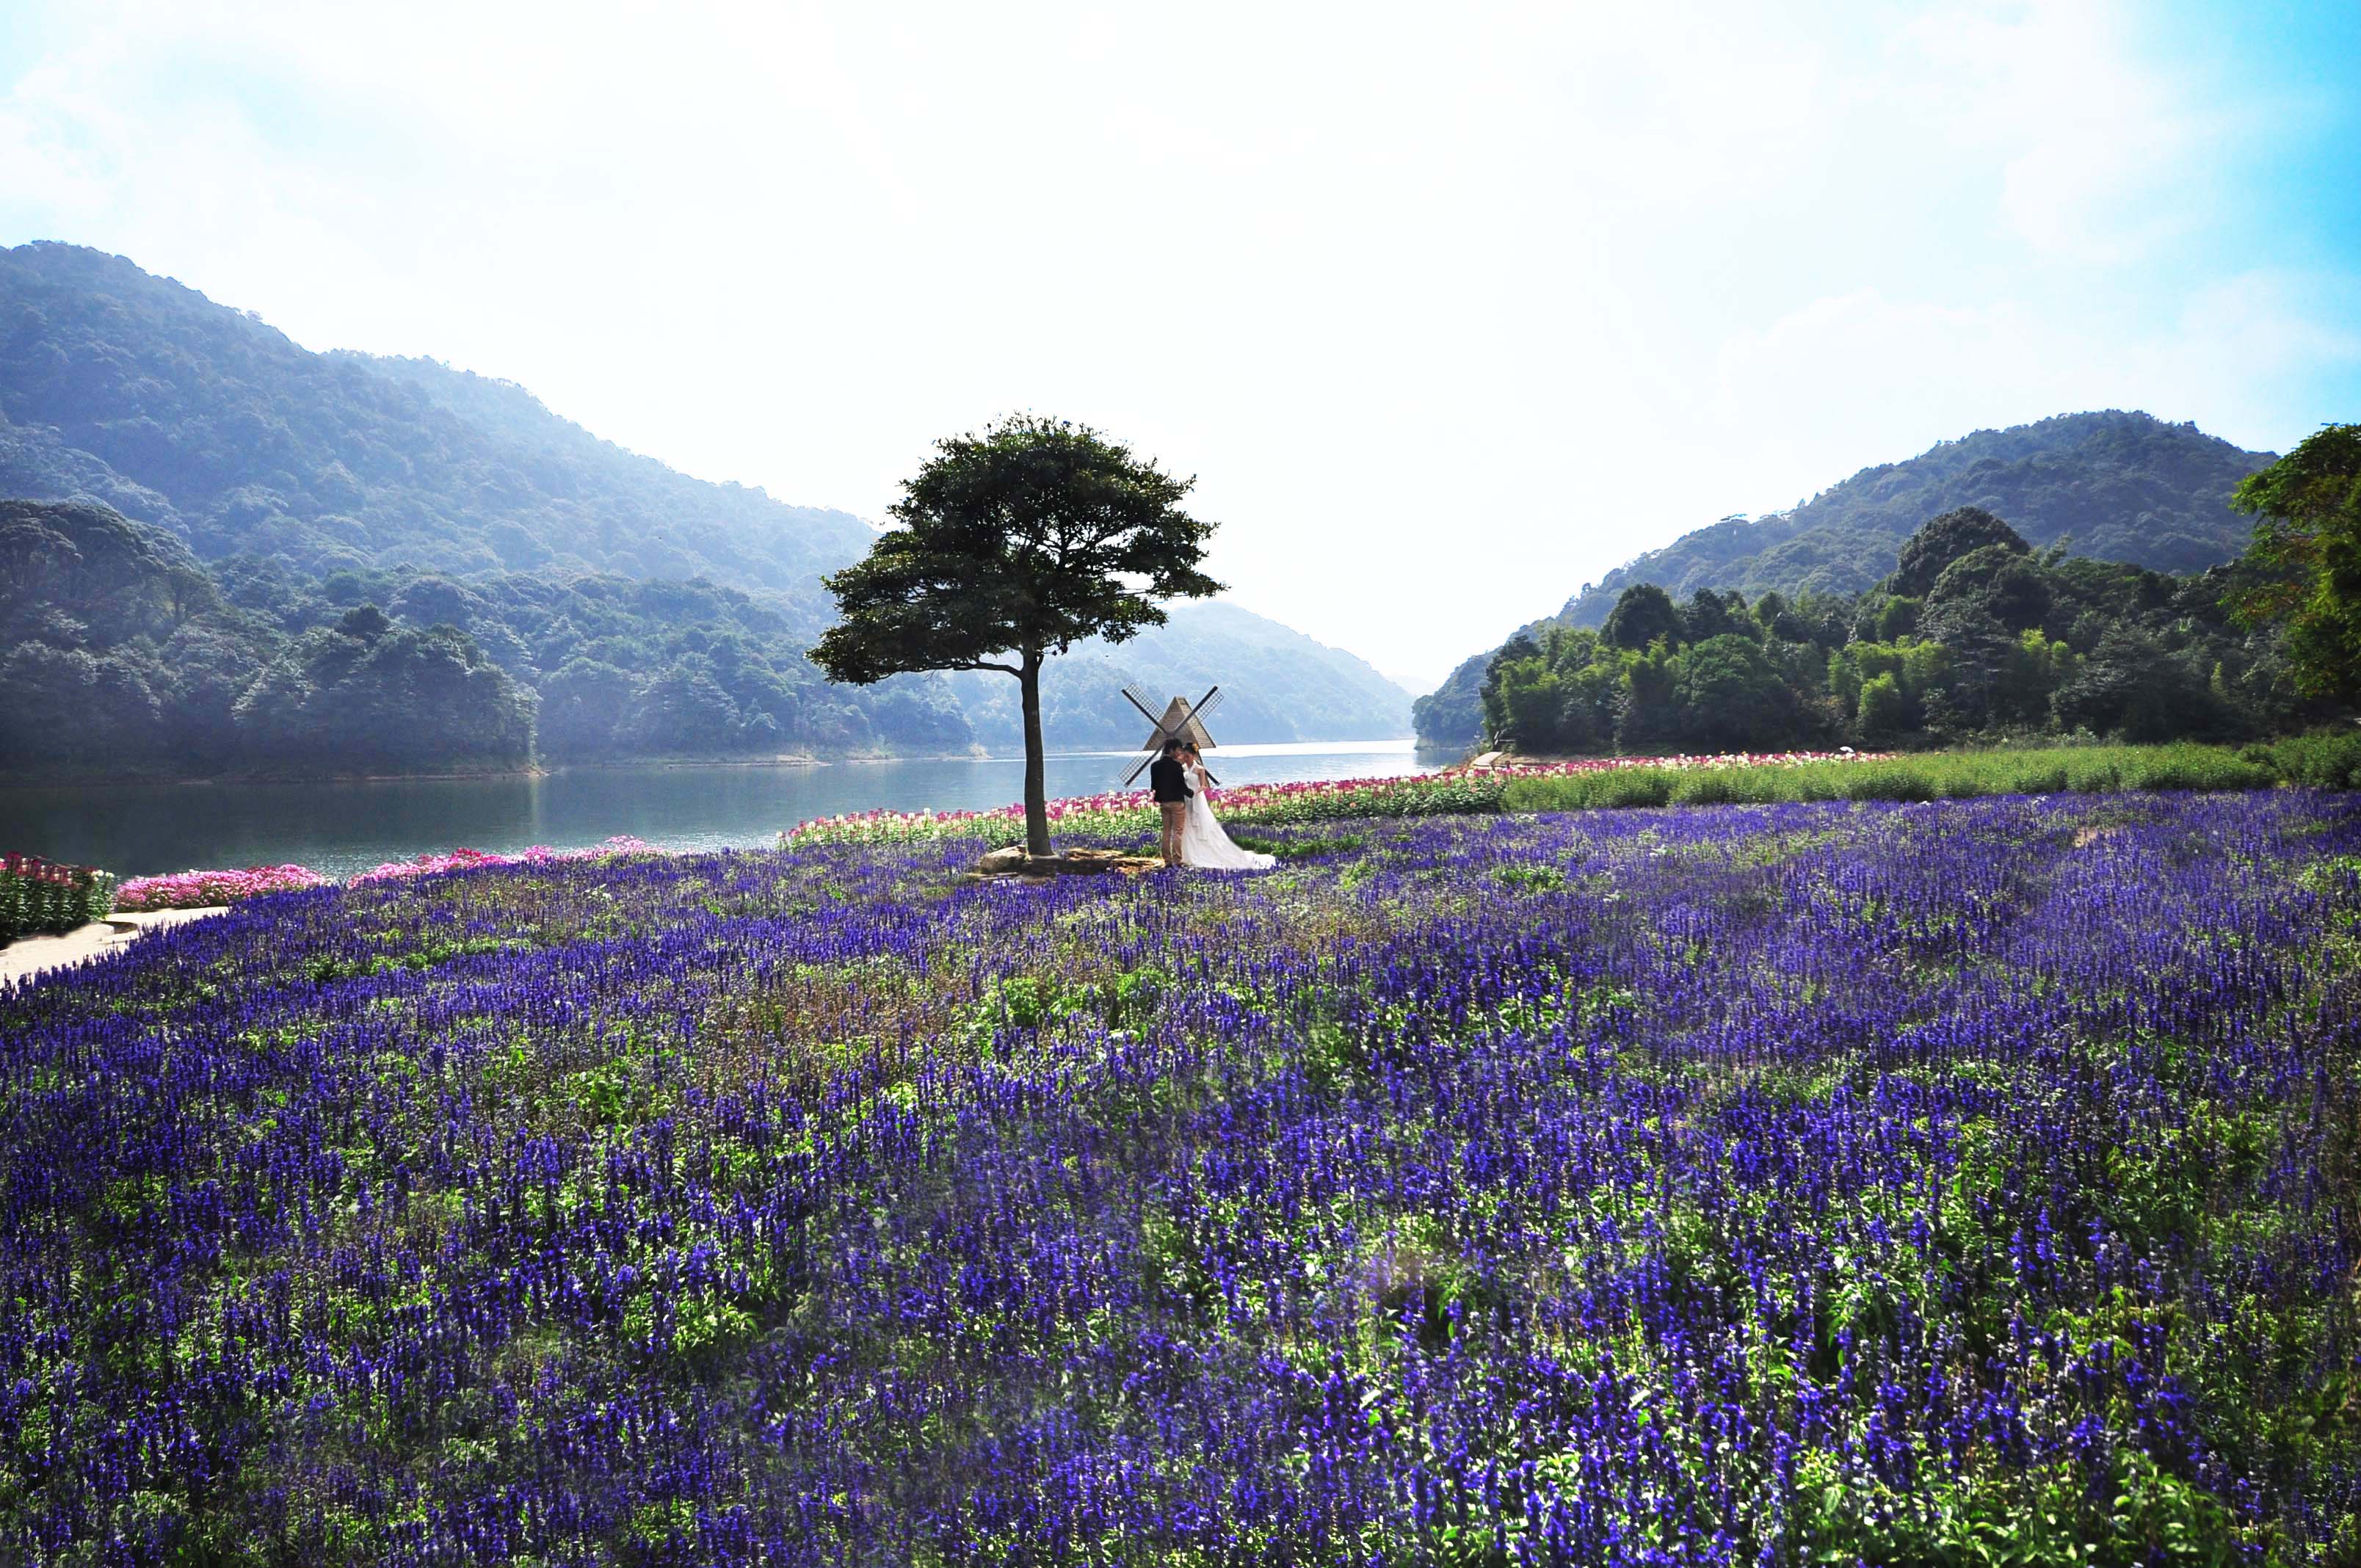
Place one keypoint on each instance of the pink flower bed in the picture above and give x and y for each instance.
(468, 860)
(198, 890)
(194, 890)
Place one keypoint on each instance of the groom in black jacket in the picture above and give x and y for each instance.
(1169, 785)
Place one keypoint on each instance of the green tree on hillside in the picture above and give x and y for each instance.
(1643, 614)
(1015, 543)
(2304, 566)
(1939, 540)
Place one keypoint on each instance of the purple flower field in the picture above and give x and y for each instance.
(1961, 1182)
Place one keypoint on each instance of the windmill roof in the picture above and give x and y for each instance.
(1179, 721)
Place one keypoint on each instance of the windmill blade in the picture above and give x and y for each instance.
(1158, 732)
(1138, 700)
(1212, 700)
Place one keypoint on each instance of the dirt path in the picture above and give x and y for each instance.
(30, 956)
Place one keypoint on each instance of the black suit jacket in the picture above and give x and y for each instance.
(1167, 782)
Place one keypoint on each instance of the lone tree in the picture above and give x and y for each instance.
(1016, 543)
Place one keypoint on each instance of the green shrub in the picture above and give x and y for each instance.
(1889, 781)
(2098, 774)
(2199, 767)
(1633, 786)
(2331, 761)
(2328, 759)
(2041, 778)
(1713, 786)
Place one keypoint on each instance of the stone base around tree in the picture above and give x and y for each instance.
(1014, 862)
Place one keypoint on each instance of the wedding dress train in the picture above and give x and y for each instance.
(1205, 846)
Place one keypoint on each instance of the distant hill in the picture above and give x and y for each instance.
(208, 422)
(316, 481)
(2120, 485)
(1277, 685)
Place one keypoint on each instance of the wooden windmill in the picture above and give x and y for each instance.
(1181, 719)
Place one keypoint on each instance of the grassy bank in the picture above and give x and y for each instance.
(2322, 761)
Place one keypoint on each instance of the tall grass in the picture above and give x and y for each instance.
(1954, 775)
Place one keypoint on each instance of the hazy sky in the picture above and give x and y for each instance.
(1449, 307)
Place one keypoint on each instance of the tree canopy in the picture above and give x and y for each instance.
(1016, 543)
(1641, 616)
(1942, 540)
(2004, 643)
(2304, 567)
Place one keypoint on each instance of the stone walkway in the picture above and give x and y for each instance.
(29, 956)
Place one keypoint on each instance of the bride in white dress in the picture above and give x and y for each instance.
(1204, 845)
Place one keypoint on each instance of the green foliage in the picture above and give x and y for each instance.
(2330, 760)
(1643, 614)
(1942, 541)
(1463, 794)
(2002, 644)
(372, 695)
(1885, 709)
(1729, 696)
(1996, 581)
(1888, 780)
(2140, 1514)
(2305, 567)
(1305, 848)
(1947, 776)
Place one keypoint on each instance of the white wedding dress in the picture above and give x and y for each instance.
(1204, 847)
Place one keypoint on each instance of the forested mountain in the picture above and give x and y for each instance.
(2112, 486)
(214, 425)
(648, 612)
(1972, 637)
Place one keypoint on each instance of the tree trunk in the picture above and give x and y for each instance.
(1037, 796)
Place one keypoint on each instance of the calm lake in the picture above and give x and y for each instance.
(339, 829)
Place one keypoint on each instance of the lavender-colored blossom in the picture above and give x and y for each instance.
(1733, 1184)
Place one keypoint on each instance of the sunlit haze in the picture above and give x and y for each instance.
(1432, 300)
